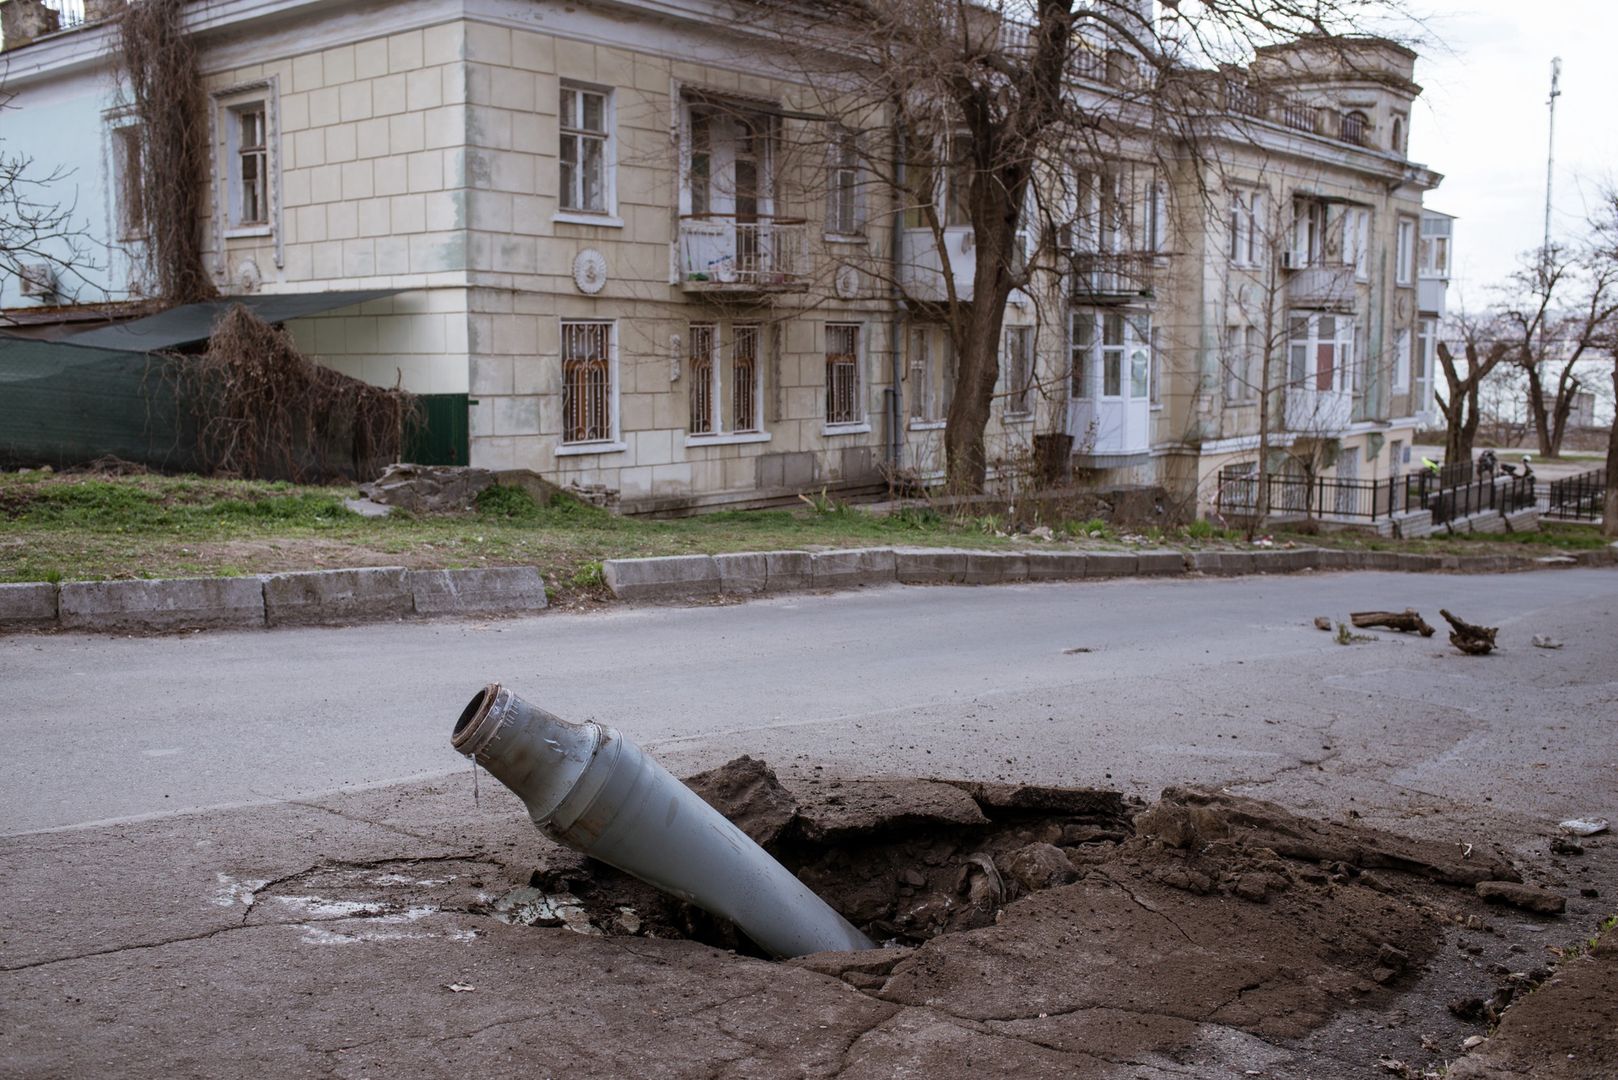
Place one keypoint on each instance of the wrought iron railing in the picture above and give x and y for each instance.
(1098, 276)
(1578, 498)
(719, 251)
(1331, 498)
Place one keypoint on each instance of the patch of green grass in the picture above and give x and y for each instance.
(592, 575)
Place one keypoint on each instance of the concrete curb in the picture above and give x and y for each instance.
(368, 594)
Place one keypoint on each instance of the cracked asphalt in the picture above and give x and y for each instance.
(160, 796)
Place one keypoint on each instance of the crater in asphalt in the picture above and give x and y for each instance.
(1065, 917)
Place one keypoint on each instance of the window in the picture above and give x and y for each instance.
(843, 186)
(931, 375)
(1396, 140)
(587, 383)
(1309, 224)
(1247, 225)
(1359, 242)
(1426, 359)
(1112, 355)
(1401, 361)
(1157, 367)
(1081, 347)
(1019, 370)
(843, 375)
(1237, 379)
(1114, 346)
(746, 388)
(583, 156)
(248, 147)
(128, 176)
(725, 380)
(704, 379)
(1435, 236)
(1405, 253)
(1320, 352)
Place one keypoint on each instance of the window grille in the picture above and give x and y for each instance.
(700, 366)
(583, 154)
(744, 379)
(586, 382)
(842, 375)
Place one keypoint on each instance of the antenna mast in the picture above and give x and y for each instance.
(1550, 155)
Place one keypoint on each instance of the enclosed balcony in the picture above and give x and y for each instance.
(725, 253)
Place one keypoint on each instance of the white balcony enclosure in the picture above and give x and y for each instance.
(1320, 287)
(1318, 411)
(1431, 293)
(922, 267)
(725, 254)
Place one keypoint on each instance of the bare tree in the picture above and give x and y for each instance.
(1002, 98)
(1563, 300)
(43, 242)
(1464, 377)
(1603, 257)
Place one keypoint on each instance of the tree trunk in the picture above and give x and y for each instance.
(978, 339)
(1609, 511)
(1537, 410)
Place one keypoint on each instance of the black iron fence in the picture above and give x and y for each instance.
(1450, 493)
(1578, 498)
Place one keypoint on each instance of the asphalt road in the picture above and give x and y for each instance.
(1204, 681)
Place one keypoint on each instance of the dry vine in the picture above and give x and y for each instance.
(262, 409)
(160, 66)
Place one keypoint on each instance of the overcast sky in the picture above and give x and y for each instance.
(1481, 121)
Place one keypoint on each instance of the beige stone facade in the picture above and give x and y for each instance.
(628, 248)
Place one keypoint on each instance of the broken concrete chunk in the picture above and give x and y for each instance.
(1527, 897)
(1322, 623)
(1039, 866)
(878, 806)
(1544, 641)
(747, 792)
(1584, 826)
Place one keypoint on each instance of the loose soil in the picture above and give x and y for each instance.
(1080, 921)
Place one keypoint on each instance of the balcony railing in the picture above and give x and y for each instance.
(1320, 285)
(1245, 99)
(1112, 277)
(721, 253)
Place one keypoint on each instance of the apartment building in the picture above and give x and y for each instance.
(653, 270)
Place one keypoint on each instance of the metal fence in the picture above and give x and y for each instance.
(1451, 493)
(1578, 498)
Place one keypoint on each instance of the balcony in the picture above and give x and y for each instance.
(1318, 412)
(1319, 286)
(1100, 278)
(721, 254)
(1431, 293)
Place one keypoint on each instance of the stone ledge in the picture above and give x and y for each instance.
(492, 590)
(672, 577)
(162, 604)
(315, 597)
(28, 605)
(854, 567)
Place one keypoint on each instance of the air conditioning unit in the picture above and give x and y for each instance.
(1290, 261)
(38, 280)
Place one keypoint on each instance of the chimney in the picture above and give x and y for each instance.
(21, 21)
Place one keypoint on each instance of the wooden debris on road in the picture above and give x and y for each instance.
(1408, 621)
(1469, 638)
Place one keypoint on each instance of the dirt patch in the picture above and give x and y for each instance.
(1561, 1030)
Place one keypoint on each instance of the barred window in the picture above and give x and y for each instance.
(843, 374)
(701, 368)
(744, 384)
(586, 382)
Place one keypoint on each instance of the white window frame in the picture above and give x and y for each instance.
(724, 339)
(862, 421)
(613, 443)
(1342, 342)
(607, 216)
(228, 107)
(1358, 239)
(1237, 382)
(1426, 356)
(1430, 263)
(844, 188)
(1247, 212)
(1405, 252)
(1019, 401)
(929, 376)
(1088, 370)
